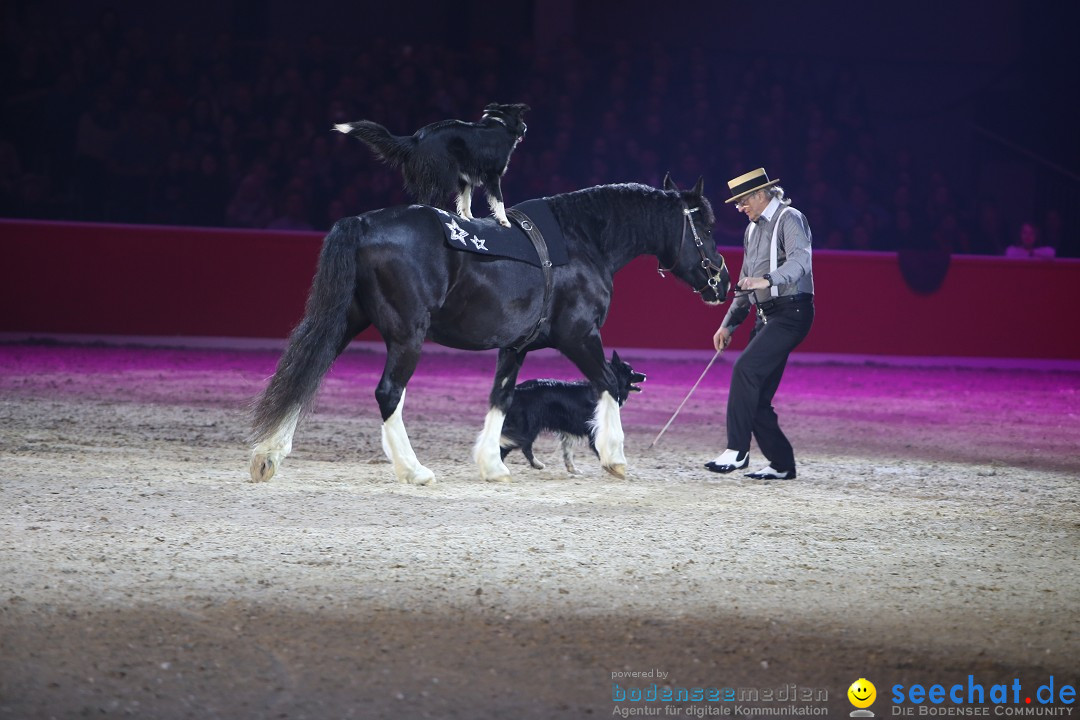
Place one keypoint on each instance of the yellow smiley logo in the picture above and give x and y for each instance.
(862, 693)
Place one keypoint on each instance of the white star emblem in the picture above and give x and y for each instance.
(479, 243)
(457, 232)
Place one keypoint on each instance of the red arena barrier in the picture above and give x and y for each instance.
(98, 279)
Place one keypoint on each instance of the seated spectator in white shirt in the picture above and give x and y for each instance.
(1029, 247)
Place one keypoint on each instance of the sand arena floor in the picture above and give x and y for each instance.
(932, 534)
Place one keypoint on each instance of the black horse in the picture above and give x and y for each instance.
(392, 269)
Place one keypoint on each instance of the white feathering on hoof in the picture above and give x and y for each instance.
(609, 435)
(266, 456)
(399, 450)
(486, 451)
(343, 127)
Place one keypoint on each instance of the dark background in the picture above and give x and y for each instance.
(925, 124)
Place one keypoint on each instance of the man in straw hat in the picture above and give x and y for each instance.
(776, 277)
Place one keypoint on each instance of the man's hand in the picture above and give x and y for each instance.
(753, 283)
(721, 339)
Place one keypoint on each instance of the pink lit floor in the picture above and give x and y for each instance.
(932, 533)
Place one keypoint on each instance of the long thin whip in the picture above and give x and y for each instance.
(664, 429)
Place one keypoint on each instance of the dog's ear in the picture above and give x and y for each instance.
(669, 184)
(699, 188)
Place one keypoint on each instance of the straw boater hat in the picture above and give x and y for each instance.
(748, 183)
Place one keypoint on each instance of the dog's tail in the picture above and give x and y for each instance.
(391, 149)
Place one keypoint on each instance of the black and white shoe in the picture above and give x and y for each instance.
(768, 473)
(728, 461)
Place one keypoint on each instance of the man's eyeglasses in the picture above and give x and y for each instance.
(744, 203)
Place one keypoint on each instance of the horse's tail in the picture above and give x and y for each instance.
(391, 149)
(319, 338)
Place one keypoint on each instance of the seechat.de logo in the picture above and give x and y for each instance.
(973, 692)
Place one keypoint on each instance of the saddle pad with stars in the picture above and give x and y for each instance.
(485, 236)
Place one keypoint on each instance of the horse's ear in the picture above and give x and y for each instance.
(614, 357)
(699, 189)
(669, 184)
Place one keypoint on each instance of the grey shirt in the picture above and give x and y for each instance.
(793, 273)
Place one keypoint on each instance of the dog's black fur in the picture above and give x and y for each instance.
(565, 408)
(452, 156)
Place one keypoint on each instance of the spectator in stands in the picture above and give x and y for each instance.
(294, 216)
(950, 236)
(1028, 246)
(206, 191)
(904, 235)
(991, 228)
(250, 206)
(1053, 230)
(97, 130)
(10, 172)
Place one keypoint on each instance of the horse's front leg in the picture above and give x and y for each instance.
(390, 393)
(487, 452)
(609, 438)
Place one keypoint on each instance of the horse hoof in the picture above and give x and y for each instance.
(618, 471)
(263, 468)
(420, 476)
(494, 471)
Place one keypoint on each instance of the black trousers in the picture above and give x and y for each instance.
(755, 378)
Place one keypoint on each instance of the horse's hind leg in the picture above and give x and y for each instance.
(296, 379)
(400, 364)
(486, 451)
(267, 456)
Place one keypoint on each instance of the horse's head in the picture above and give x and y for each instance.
(696, 261)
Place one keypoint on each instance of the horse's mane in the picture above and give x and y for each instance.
(631, 203)
(625, 199)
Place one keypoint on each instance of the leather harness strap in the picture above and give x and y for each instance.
(545, 264)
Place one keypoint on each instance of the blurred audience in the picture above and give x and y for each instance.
(109, 126)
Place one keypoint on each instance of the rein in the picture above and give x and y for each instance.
(711, 269)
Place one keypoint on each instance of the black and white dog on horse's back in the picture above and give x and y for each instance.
(451, 156)
(564, 408)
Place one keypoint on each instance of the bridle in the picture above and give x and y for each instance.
(713, 272)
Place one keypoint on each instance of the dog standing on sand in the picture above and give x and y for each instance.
(565, 408)
(451, 156)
